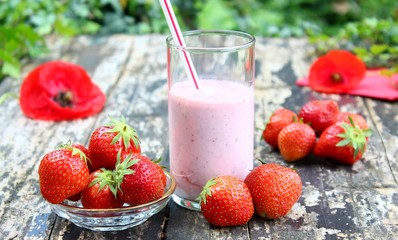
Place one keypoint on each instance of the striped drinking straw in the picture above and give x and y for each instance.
(179, 40)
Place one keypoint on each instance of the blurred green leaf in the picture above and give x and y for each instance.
(63, 27)
(12, 70)
(378, 48)
(360, 51)
(11, 65)
(215, 14)
(91, 27)
(8, 58)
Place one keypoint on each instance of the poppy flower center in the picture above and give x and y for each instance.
(336, 78)
(64, 98)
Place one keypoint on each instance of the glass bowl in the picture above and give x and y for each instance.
(113, 219)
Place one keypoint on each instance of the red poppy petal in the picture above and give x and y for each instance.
(337, 64)
(42, 85)
(320, 73)
(349, 65)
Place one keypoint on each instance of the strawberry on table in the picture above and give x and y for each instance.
(356, 118)
(226, 201)
(101, 192)
(279, 119)
(320, 114)
(274, 189)
(63, 173)
(343, 142)
(296, 141)
(106, 141)
(138, 179)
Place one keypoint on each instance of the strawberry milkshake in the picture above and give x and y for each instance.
(211, 133)
(211, 115)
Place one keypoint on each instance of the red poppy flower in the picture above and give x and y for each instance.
(336, 72)
(60, 91)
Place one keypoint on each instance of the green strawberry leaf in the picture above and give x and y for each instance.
(343, 142)
(158, 161)
(354, 137)
(124, 132)
(122, 169)
(105, 178)
(206, 191)
(75, 151)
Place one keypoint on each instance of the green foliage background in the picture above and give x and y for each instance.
(25, 23)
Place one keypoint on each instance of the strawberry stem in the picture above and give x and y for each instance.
(114, 178)
(158, 162)
(206, 191)
(122, 169)
(354, 136)
(105, 178)
(124, 132)
(75, 151)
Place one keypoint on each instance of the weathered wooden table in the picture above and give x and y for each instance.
(338, 202)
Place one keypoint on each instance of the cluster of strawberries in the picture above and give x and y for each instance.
(343, 136)
(270, 190)
(110, 173)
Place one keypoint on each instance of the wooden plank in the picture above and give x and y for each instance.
(238, 233)
(384, 116)
(186, 224)
(64, 229)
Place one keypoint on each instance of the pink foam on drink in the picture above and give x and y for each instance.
(211, 133)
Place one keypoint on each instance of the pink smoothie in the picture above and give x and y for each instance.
(211, 133)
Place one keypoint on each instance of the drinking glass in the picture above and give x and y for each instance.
(211, 128)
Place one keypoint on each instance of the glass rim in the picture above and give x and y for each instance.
(250, 41)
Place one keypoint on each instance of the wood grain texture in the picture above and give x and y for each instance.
(338, 201)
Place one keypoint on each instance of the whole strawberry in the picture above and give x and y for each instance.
(63, 173)
(296, 141)
(320, 114)
(161, 169)
(356, 118)
(279, 119)
(82, 148)
(274, 189)
(226, 201)
(343, 142)
(101, 192)
(106, 141)
(139, 179)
